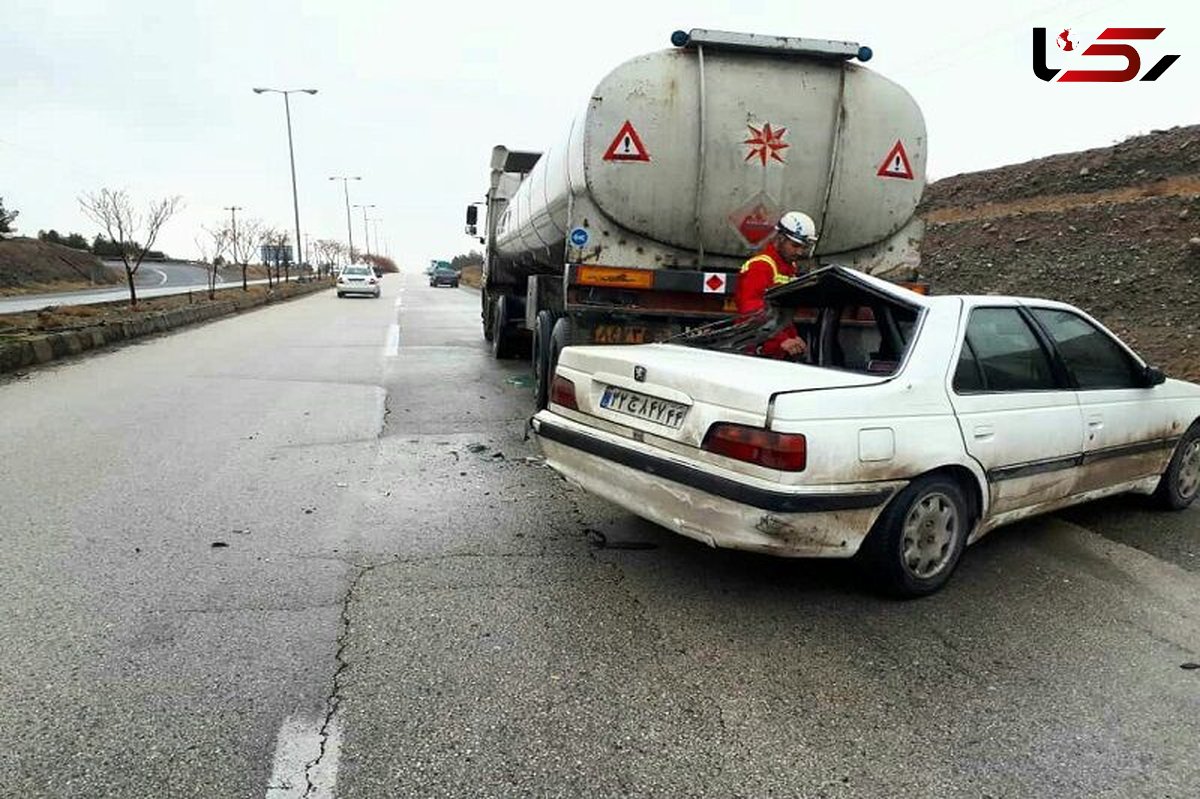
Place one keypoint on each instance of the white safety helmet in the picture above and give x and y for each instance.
(798, 226)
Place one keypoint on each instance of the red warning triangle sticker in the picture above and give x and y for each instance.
(627, 146)
(896, 165)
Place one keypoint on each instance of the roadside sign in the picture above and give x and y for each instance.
(579, 237)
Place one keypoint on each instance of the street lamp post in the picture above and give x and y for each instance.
(233, 209)
(287, 110)
(346, 191)
(375, 227)
(365, 236)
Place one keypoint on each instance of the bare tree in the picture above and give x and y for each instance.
(212, 243)
(276, 239)
(243, 241)
(114, 211)
(328, 252)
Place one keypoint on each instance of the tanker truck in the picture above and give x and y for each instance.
(633, 227)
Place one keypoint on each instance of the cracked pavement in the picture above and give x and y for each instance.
(448, 618)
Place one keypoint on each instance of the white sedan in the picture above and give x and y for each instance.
(916, 425)
(358, 279)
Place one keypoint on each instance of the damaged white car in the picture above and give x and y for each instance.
(916, 425)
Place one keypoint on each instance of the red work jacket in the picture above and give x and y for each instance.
(761, 272)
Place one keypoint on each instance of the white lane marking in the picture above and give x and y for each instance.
(392, 348)
(399, 300)
(161, 274)
(297, 747)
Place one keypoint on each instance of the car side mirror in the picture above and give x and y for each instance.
(1153, 376)
(472, 215)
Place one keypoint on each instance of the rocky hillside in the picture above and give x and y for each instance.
(31, 265)
(1114, 230)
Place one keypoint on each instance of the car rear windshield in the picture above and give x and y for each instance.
(356, 270)
(844, 325)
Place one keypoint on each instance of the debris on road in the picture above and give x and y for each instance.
(219, 545)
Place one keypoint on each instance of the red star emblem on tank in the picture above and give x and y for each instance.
(765, 143)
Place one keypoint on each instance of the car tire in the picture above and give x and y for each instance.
(341, 295)
(1180, 483)
(918, 540)
(541, 358)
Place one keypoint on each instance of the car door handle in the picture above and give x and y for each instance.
(984, 431)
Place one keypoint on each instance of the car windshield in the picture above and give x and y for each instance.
(845, 324)
(356, 270)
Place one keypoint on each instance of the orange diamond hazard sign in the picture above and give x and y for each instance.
(627, 146)
(896, 165)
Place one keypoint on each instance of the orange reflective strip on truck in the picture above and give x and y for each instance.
(615, 276)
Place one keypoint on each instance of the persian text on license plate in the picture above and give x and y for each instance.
(657, 410)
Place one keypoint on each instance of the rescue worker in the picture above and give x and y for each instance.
(794, 240)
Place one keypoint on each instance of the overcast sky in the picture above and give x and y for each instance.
(155, 96)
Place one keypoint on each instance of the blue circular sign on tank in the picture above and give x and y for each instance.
(579, 237)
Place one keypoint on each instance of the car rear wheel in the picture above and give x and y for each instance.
(1179, 484)
(917, 542)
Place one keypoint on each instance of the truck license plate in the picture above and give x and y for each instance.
(631, 403)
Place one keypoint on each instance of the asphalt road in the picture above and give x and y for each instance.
(409, 604)
(156, 279)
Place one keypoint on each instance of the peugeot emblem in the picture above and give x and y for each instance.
(639, 374)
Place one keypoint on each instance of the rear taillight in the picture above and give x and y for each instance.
(562, 392)
(785, 451)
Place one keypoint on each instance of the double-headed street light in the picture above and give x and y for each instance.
(345, 179)
(287, 110)
(366, 237)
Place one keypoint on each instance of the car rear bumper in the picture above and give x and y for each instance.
(719, 510)
(371, 290)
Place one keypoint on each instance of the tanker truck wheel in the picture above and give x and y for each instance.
(560, 336)
(503, 335)
(486, 314)
(541, 357)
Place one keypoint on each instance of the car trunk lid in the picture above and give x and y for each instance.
(677, 392)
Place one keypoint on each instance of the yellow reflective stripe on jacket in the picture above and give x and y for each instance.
(766, 259)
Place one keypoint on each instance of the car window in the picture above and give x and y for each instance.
(1007, 352)
(1091, 355)
(967, 377)
(355, 270)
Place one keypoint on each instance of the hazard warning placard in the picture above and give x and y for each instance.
(627, 146)
(715, 282)
(896, 165)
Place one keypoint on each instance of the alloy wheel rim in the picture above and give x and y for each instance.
(1189, 471)
(931, 529)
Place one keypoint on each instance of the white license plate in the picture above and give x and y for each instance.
(631, 403)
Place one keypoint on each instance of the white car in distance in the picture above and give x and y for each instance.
(917, 425)
(357, 279)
